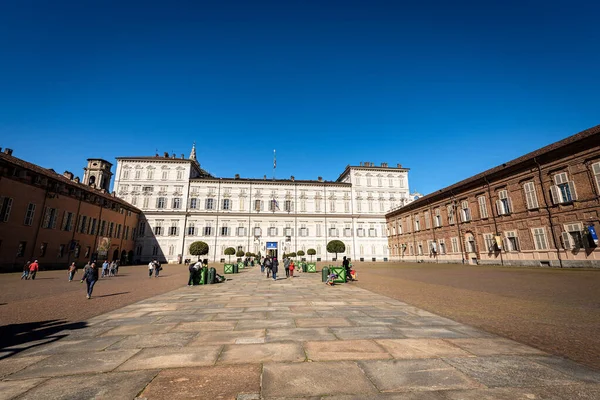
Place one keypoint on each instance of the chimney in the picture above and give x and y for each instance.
(320, 179)
(361, 163)
(173, 155)
(166, 154)
(68, 175)
(292, 178)
(182, 157)
(399, 165)
(237, 176)
(77, 180)
(265, 177)
(8, 151)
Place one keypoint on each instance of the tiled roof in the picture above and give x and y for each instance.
(61, 178)
(490, 173)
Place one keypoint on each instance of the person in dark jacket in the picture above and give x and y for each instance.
(90, 275)
(274, 268)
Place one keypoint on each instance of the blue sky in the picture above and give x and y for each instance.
(447, 89)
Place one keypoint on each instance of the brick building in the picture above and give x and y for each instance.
(541, 209)
(57, 219)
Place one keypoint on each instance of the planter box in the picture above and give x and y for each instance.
(341, 273)
(228, 269)
(311, 267)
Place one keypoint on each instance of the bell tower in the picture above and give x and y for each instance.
(97, 173)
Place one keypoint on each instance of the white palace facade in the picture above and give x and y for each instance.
(182, 203)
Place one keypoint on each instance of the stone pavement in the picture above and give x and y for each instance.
(254, 338)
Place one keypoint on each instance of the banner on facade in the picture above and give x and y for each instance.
(271, 245)
(103, 246)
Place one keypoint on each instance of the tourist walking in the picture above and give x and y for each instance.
(113, 267)
(26, 270)
(286, 265)
(90, 275)
(150, 268)
(72, 271)
(274, 268)
(157, 268)
(105, 268)
(117, 267)
(33, 269)
(268, 266)
(292, 267)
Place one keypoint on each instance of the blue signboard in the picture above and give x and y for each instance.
(592, 231)
(271, 245)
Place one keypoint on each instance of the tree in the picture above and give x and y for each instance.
(336, 246)
(300, 253)
(311, 252)
(292, 255)
(229, 252)
(240, 253)
(198, 249)
(248, 254)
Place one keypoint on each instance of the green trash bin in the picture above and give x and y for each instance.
(235, 269)
(240, 265)
(196, 277)
(341, 273)
(303, 266)
(212, 274)
(203, 275)
(324, 274)
(311, 267)
(228, 269)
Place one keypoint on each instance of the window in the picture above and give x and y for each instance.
(29, 214)
(155, 250)
(317, 205)
(471, 247)
(272, 231)
(288, 231)
(347, 231)
(224, 231)
(572, 237)
(160, 202)
(319, 230)
(450, 210)
(138, 174)
(142, 228)
(147, 189)
(21, 249)
(111, 228)
(126, 174)
(333, 231)
(242, 204)
(171, 250)
(437, 218)
(226, 204)
(173, 229)
(360, 232)
(126, 235)
(81, 226)
(539, 238)
(5, 207)
(118, 234)
(258, 205)
(442, 246)
(165, 175)
(427, 220)
(288, 206)
(454, 242)
(150, 174)
(503, 204)
(209, 204)
(483, 213)
(50, 218)
(191, 230)
(193, 203)
(372, 232)
(417, 224)
(596, 172)
(564, 190)
(332, 206)
(179, 175)
(177, 203)
(490, 242)
(158, 228)
(134, 200)
(511, 241)
(465, 211)
(146, 202)
(400, 228)
(207, 230)
(530, 196)
(420, 248)
(257, 231)
(138, 250)
(241, 231)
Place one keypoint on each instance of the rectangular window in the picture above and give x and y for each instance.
(134, 200)
(332, 206)
(126, 233)
(226, 204)
(207, 230)
(209, 204)
(564, 190)
(539, 238)
(193, 203)
(150, 174)
(111, 228)
(158, 228)
(288, 231)
(29, 214)
(138, 174)
(372, 232)
(241, 231)
(317, 205)
(126, 174)
(191, 231)
(165, 175)
(503, 204)
(21, 249)
(572, 237)
(427, 220)
(465, 211)
(483, 213)
(177, 203)
(257, 231)
(490, 242)
(50, 218)
(272, 231)
(160, 202)
(257, 205)
(454, 242)
(118, 235)
(437, 219)
(347, 232)
(142, 228)
(5, 207)
(442, 243)
(333, 232)
(146, 202)
(596, 172)
(224, 231)
(511, 241)
(287, 206)
(417, 224)
(450, 210)
(530, 196)
(318, 229)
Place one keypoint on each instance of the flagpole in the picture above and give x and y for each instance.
(274, 163)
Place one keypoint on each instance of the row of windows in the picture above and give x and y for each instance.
(562, 192)
(137, 174)
(572, 238)
(61, 250)
(370, 180)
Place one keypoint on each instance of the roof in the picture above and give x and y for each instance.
(369, 167)
(499, 170)
(259, 180)
(58, 177)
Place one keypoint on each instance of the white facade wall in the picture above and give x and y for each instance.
(223, 212)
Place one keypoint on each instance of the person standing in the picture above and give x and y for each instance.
(72, 271)
(268, 266)
(286, 265)
(275, 268)
(90, 275)
(291, 268)
(26, 270)
(117, 266)
(33, 269)
(157, 268)
(105, 268)
(150, 268)
(346, 265)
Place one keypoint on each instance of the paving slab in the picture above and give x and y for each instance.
(226, 337)
(260, 353)
(408, 375)
(204, 383)
(337, 350)
(139, 329)
(205, 326)
(13, 364)
(509, 371)
(421, 348)
(172, 357)
(75, 363)
(569, 392)
(265, 323)
(570, 368)
(11, 389)
(321, 322)
(314, 379)
(174, 339)
(299, 334)
(367, 332)
(430, 332)
(109, 386)
(392, 396)
(495, 346)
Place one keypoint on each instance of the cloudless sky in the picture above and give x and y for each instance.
(447, 89)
